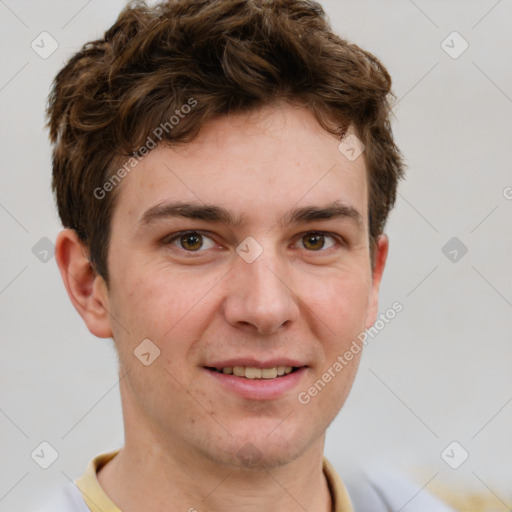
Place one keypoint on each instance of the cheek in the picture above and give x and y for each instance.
(149, 307)
(149, 300)
(169, 308)
(342, 303)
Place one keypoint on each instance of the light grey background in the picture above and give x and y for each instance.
(439, 372)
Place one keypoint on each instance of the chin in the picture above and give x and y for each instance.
(261, 450)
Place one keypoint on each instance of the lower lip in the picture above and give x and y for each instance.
(259, 389)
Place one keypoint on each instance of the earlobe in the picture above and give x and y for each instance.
(381, 254)
(86, 289)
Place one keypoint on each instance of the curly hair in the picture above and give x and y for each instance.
(228, 56)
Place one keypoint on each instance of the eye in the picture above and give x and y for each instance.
(190, 241)
(315, 241)
(195, 241)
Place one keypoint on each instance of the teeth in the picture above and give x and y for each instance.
(269, 373)
(250, 372)
(239, 371)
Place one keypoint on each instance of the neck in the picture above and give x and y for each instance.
(146, 476)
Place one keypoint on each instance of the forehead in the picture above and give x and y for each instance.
(257, 165)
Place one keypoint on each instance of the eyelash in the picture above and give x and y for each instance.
(337, 239)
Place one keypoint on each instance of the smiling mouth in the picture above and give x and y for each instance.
(250, 372)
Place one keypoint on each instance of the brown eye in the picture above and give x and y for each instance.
(191, 241)
(313, 241)
(316, 241)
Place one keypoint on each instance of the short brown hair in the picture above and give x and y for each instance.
(227, 56)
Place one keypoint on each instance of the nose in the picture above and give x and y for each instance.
(260, 297)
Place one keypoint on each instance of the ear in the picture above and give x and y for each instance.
(87, 290)
(381, 255)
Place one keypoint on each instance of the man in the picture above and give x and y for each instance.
(224, 171)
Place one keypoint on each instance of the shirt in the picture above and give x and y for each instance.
(384, 491)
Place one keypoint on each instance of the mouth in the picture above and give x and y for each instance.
(258, 382)
(251, 372)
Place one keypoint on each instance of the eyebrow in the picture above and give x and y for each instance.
(219, 214)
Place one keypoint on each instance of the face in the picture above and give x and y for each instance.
(245, 274)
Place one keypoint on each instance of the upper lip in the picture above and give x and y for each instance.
(255, 363)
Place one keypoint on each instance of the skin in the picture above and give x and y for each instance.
(183, 430)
